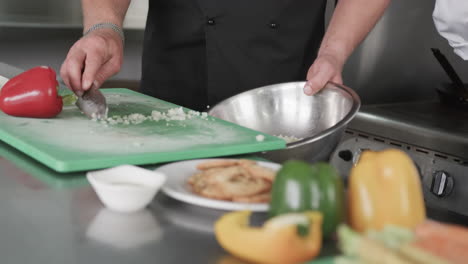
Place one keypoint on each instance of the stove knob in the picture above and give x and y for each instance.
(442, 184)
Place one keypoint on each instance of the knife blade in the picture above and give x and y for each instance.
(93, 104)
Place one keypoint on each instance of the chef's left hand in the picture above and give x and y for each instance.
(325, 68)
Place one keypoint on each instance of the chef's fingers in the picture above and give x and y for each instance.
(64, 74)
(93, 63)
(75, 69)
(108, 69)
(72, 68)
(319, 76)
(325, 68)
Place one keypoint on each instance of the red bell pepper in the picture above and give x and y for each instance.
(32, 93)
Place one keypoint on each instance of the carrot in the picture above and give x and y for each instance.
(452, 232)
(447, 241)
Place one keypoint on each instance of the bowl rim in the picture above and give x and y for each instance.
(339, 125)
(95, 178)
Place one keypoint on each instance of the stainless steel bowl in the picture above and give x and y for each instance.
(283, 109)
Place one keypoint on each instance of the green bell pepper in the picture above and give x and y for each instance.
(300, 187)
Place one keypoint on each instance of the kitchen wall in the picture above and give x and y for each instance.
(41, 33)
(393, 64)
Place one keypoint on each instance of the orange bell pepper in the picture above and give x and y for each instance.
(277, 241)
(384, 188)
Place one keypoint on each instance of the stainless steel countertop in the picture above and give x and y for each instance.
(47, 217)
(56, 222)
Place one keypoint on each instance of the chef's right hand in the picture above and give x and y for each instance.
(92, 60)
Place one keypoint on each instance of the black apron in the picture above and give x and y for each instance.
(200, 52)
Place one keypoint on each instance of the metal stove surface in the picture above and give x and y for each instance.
(435, 136)
(427, 125)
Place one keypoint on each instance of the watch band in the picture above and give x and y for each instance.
(106, 25)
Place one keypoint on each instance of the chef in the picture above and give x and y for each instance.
(197, 53)
(451, 21)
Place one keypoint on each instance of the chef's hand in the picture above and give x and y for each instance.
(92, 60)
(325, 68)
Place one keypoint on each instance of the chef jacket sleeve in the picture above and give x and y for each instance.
(451, 20)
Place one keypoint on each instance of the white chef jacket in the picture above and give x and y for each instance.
(451, 20)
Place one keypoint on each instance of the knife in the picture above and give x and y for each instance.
(452, 74)
(93, 104)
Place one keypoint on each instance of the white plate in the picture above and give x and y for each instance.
(177, 187)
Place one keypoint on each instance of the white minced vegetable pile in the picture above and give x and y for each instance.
(173, 114)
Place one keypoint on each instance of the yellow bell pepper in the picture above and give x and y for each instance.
(385, 189)
(277, 241)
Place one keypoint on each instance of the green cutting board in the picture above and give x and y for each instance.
(71, 142)
(60, 180)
